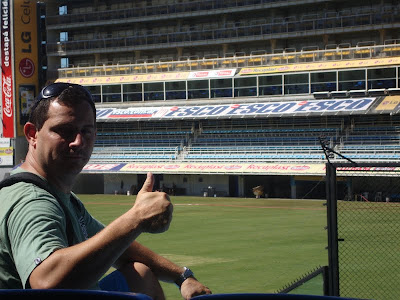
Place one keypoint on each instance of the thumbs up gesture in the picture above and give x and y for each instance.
(153, 208)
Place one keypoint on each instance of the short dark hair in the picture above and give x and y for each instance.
(71, 95)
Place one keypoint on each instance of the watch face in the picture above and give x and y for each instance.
(187, 273)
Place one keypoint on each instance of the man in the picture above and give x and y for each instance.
(34, 248)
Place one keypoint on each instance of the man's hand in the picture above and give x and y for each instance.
(191, 288)
(153, 208)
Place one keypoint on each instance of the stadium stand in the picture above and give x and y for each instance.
(288, 140)
(262, 84)
(218, 97)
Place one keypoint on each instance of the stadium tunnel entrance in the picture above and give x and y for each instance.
(291, 187)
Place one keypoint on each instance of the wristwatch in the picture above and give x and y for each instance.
(185, 275)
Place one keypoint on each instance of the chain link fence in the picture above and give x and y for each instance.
(364, 244)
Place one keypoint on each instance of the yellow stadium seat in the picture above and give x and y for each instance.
(308, 55)
(164, 66)
(253, 60)
(208, 63)
(330, 54)
(122, 69)
(276, 58)
(392, 49)
(364, 51)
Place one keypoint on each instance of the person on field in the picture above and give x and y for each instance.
(50, 241)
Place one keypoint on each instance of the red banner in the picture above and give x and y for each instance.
(6, 70)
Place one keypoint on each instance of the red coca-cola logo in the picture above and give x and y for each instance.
(26, 67)
(7, 94)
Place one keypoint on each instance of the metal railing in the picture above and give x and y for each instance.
(157, 11)
(391, 48)
(202, 36)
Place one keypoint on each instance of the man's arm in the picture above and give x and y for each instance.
(82, 265)
(163, 268)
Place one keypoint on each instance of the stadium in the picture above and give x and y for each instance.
(224, 102)
(236, 99)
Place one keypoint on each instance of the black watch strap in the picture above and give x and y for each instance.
(185, 275)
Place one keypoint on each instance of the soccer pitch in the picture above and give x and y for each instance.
(234, 245)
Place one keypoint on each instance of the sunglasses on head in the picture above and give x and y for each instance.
(55, 90)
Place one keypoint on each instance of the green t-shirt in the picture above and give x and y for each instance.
(32, 226)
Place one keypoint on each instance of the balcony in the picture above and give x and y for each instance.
(277, 29)
(391, 48)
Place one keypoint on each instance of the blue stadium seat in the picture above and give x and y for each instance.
(68, 295)
(258, 296)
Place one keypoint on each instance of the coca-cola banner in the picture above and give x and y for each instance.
(6, 72)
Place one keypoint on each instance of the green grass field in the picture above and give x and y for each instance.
(234, 245)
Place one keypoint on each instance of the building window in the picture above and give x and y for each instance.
(62, 10)
(63, 36)
(95, 91)
(154, 91)
(132, 92)
(64, 62)
(323, 82)
(221, 88)
(270, 85)
(175, 90)
(297, 84)
(383, 78)
(112, 93)
(352, 80)
(198, 89)
(245, 87)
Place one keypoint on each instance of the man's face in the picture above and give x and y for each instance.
(65, 142)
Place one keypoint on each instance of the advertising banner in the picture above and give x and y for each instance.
(210, 168)
(6, 156)
(212, 74)
(329, 65)
(389, 103)
(7, 84)
(93, 80)
(26, 59)
(306, 170)
(5, 142)
(137, 78)
(330, 106)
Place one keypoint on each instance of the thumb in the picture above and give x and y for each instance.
(148, 184)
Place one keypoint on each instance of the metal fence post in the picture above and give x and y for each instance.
(333, 258)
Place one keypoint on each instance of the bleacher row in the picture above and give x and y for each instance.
(363, 144)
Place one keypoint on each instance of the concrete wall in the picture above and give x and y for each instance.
(198, 184)
(193, 185)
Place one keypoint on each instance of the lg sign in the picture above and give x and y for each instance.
(26, 67)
